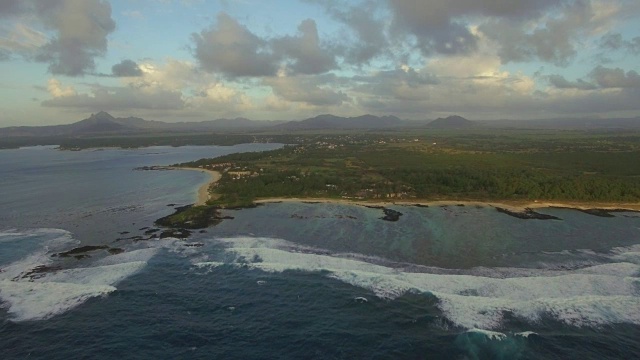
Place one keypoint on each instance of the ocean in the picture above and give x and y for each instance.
(296, 280)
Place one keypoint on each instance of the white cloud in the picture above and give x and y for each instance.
(410, 58)
(306, 89)
(56, 89)
(173, 86)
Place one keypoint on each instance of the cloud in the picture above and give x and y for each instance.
(406, 57)
(442, 26)
(119, 98)
(471, 85)
(146, 92)
(544, 30)
(306, 89)
(560, 82)
(126, 68)
(21, 40)
(615, 42)
(369, 30)
(634, 45)
(220, 99)
(231, 49)
(308, 56)
(573, 103)
(173, 75)
(175, 86)
(611, 41)
(604, 78)
(274, 103)
(79, 28)
(5, 55)
(434, 27)
(552, 39)
(615, 78)
(56, 89)
(11, 7)
(404, 83)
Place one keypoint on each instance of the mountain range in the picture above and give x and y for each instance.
(103, 123)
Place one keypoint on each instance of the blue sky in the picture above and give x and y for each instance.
(191, 60)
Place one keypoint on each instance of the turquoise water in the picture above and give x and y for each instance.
(296, 280)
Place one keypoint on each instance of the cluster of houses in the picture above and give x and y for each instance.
(229, 168)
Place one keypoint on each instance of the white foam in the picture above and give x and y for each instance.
(591, 296)
(38, 301)
(60, 291)
(491, 335)
(632, 251)
(525, 334)
(10, 233)
(59, 240)
(98, 275)
(208, 264)
(56, 291)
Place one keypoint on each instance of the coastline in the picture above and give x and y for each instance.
(510, 205)
(515, 206)
(203, 190)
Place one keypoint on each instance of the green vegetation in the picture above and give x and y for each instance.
(478, 164)
(191, 217)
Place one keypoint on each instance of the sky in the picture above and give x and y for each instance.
(196, 60)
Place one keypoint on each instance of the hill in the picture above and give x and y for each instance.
(451, 122)
(100, 123)
(103, 123)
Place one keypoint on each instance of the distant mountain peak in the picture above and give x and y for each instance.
(102, 115)
(451, 122)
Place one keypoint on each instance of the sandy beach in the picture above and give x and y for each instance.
(203, 191)
(516, 206)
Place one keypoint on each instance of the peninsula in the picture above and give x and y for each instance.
(514, 170)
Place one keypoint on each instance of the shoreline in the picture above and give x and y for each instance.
(203, 191)
(515, 206)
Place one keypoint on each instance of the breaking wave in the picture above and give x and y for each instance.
(36, 288)
(473, 299)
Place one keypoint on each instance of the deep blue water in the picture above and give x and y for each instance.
(295, 280)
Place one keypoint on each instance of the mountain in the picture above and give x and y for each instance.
(327, 121)
(451, 122)
(104, 123)
(100, 123)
